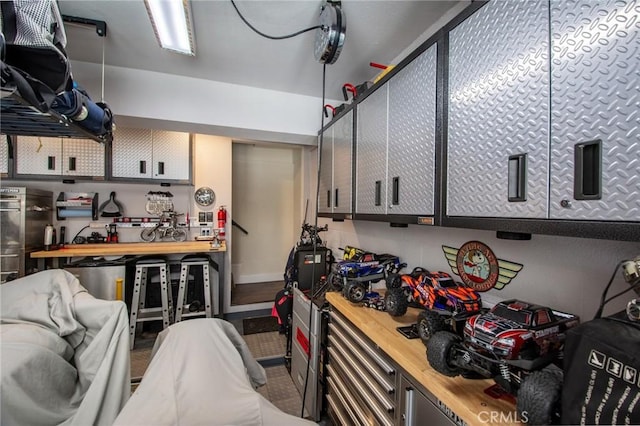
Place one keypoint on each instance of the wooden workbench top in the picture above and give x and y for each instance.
(121, 249)
(465, 397)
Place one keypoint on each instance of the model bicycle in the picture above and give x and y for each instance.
(160, 231)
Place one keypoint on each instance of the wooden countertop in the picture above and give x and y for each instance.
(465, 397)
(121, 249)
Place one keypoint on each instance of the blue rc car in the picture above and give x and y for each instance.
(359, 269)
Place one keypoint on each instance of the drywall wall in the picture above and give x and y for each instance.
(565, 273)
(194, 105)
(267, 204)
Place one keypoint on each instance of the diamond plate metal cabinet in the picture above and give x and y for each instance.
(4, 155)
(411, 139)
(342, 163)
(595, 96)
(326, 171)
(131, 153)
(151, 154)
(83, 157)
(39, 155)
(371, 153)
(171, 155)
(499, 107)
(51, 156)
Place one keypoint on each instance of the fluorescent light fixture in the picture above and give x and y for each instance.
(172, 24)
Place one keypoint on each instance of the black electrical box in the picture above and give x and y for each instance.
(311, 264)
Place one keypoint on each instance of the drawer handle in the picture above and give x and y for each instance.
(378, 195)
(381, 379)
(373, 354)
(355, 367)
(335, 357)
(345, 396)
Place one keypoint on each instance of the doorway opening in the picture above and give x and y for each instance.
(267, 194)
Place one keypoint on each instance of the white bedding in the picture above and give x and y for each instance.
(64, 354)
(202, 373)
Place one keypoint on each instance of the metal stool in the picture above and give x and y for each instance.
(140, 313)
(184, 310)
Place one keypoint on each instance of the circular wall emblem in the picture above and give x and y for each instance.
(477, 265)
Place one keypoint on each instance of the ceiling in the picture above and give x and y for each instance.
(229, 51)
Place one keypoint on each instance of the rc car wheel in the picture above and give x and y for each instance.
(539, 397)
(395, 302)
(429, 323)
(439, 352)
(335, 281)
(355, 292)
(393, 281)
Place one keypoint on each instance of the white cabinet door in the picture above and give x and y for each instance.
(595, 110)
(83, 157)
(498, 123)
(131, 153)
(171, 155)
(39, 155)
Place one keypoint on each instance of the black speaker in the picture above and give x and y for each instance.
(311, 266)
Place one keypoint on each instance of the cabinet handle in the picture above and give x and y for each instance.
(328, 198)
(72, 163)
(160, 167)
(378, 192)
(143, 167)
(395, 191)
(587, 181)
(51, 162)
(336, 199)
(517, 178)
(408, 407)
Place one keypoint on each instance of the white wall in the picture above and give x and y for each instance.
(156, 100)
(266, 203)
(565, 273)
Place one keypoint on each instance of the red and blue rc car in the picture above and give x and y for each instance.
(516, 343)
(446, 302)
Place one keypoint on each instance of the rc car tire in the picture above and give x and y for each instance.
(429, 323)
(539, 397)
(355, 292)
(393, 281)
(335, 281)
(395, 302)
(439, 351)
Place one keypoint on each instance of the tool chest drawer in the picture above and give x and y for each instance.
(361, 381)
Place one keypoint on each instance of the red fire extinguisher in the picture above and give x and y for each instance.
(222, 222)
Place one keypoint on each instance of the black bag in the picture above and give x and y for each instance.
(602, 372)
(36, 41)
